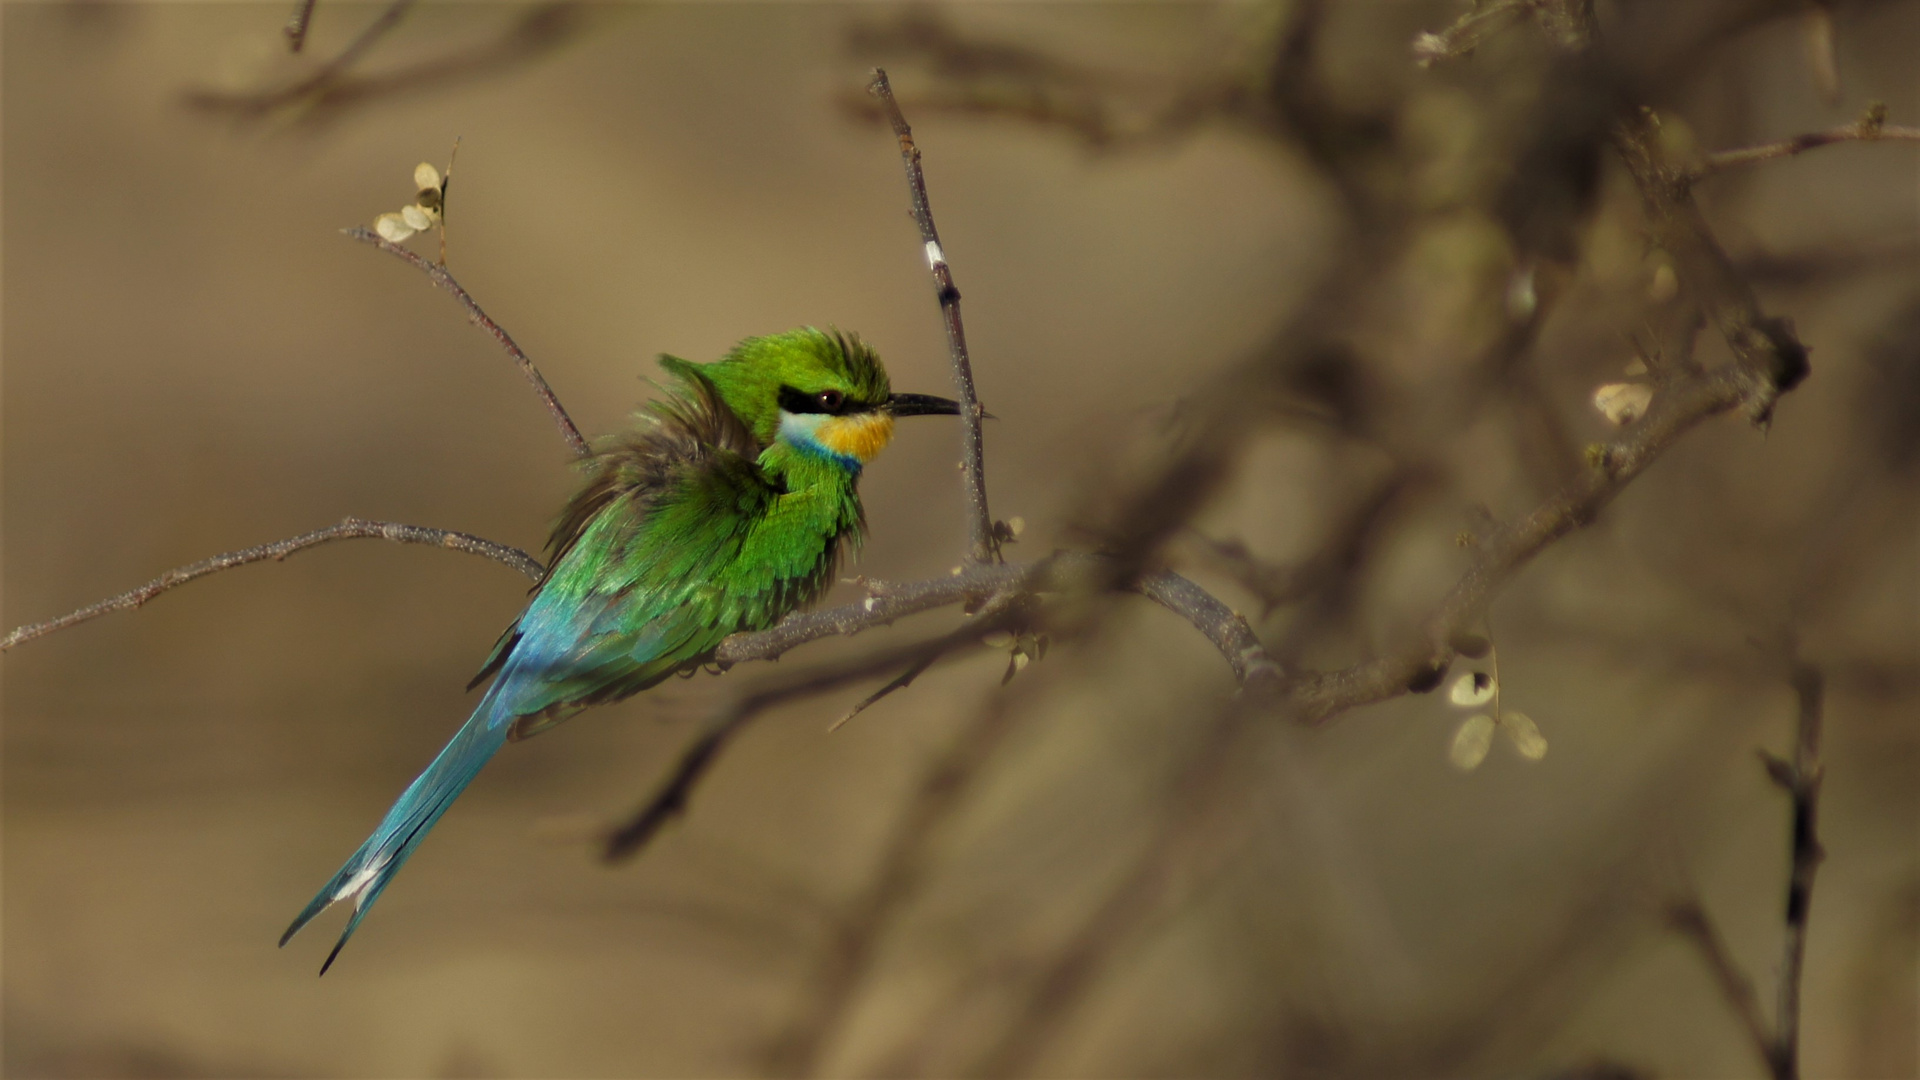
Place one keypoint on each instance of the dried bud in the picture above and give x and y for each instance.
(1623, 403)
(1873, 119)
(1473, 688)
(1665, 285)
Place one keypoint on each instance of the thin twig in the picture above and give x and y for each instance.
(440, 276)
(982, 546)
(1770, 360)
(1765, 346)
(297, 23)
(350, 529)
(335, 90)
(849, 958)
(1820, 52)
(1779, 1048)
(1188, 833)
(1470, 30)
(1800, 779)
(670, 797)
(900, 682)
(256, 104)
(1319, 696)
(1002, 79)
(1862, 130)
(1689, 918)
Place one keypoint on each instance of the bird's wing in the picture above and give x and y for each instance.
(632, 594)
(630, 599)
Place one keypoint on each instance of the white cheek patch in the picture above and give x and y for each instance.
(802, 431)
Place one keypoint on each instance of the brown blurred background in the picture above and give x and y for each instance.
(196, 360)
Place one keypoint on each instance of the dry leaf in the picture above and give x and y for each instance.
(1471, 742)
(393, 227)
(1525, 735)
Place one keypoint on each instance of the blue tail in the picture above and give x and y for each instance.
(367, 873)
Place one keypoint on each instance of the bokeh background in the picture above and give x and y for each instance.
(196, 360)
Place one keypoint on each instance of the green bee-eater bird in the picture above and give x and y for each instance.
(726, 511)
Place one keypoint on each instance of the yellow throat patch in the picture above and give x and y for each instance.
(861, 436)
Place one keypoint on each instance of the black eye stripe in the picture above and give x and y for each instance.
(822, 401)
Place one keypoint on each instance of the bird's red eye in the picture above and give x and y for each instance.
(831, 400)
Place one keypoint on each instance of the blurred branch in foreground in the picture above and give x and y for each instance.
(1777, 1045)
(983, 77)
(336, 88)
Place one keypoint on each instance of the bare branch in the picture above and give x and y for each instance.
(1771, 361)
(1225, 627)
(1801, 781)
(1868, 128)
(850, 956)
(900, 682)
(255, 104)
(1778, 1048)
(335, 89)
(1764, 345)
(1470, 30)
(1689, 918)
(1820, 52)
(1005, 80)
(1192, 832)
(670, 798)
(439, 275)
(1006, 593)
(297, 23)
(350, 529)
(884, 603)
(1317, 697)
(982, 547)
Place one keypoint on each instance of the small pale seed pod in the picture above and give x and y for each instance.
(393, 228)
(1471, 742)
(1524, 734)
(1665, 284)
(418, 218)
(1623, 403)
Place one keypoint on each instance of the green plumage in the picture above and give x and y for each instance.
(729, 508)
(702, 524)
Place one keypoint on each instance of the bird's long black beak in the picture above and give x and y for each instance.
(922, 405)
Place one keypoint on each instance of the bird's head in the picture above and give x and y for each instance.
(821, 393)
